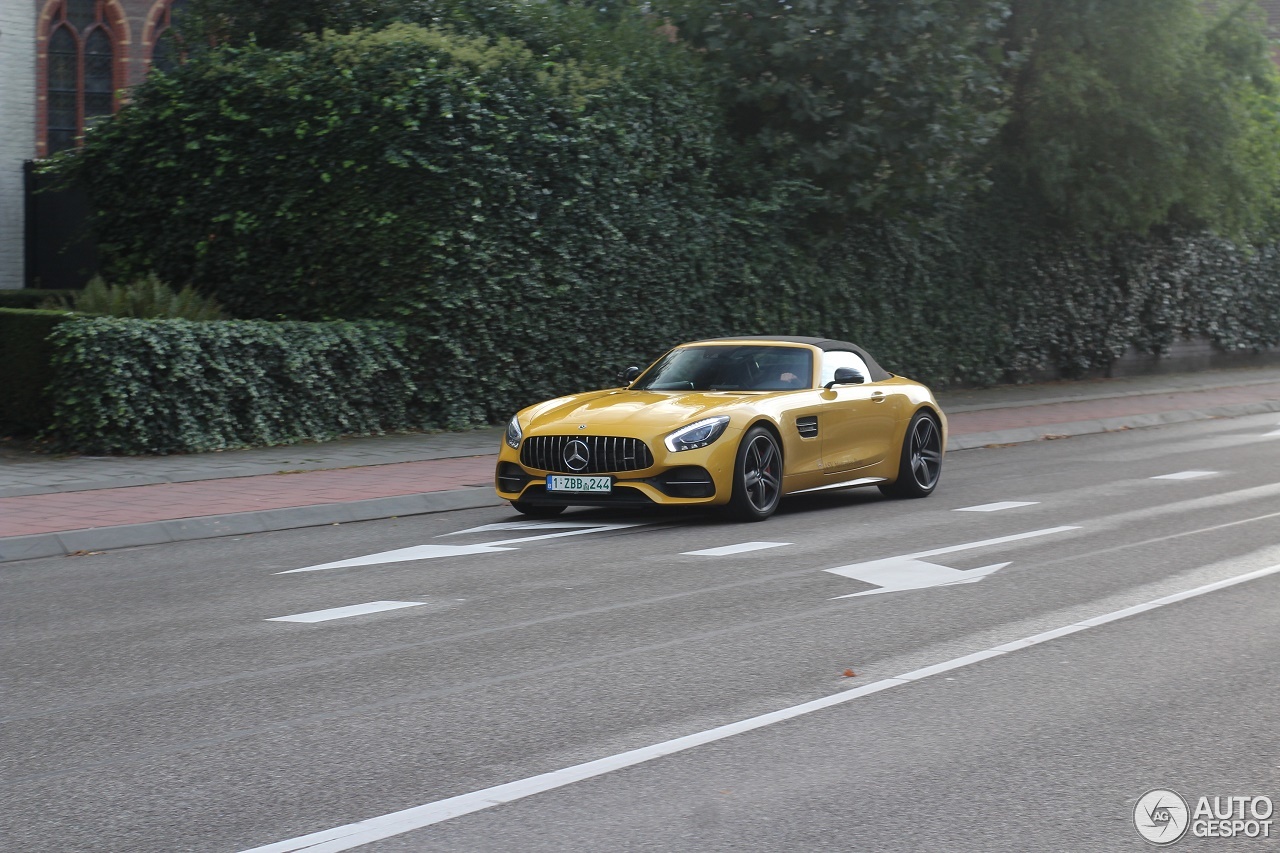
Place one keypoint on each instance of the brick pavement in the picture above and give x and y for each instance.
(24, 516)
(158, 511)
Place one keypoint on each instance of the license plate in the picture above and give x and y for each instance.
(557, 483)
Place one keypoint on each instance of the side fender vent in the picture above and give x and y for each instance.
(807, 426)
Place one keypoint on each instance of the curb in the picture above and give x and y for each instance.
(39, 545)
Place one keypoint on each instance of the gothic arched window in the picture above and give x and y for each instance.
(80, 78)
(165, 51)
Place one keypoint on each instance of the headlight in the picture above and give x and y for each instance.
(514, 433)
(698, 434)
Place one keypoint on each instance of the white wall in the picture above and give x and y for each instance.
(17, 130)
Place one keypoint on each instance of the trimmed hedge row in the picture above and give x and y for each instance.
(32, 297)
(993, 308)
(179, 386)
(25, 354)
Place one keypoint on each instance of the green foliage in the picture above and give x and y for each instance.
(1131, 114)
(177, 386)
(25, 354)
(31, 297)
(882, 104)
(147, 298)
(541, 193)
(281, 24)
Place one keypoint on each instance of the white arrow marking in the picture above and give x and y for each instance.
(431, 552)
(345, 612)
(996, 507)
(524, 525)
(741, 548)
(1184, 475)
(910, 571)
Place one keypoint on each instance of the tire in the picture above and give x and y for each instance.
(757, 476)
(920, 465)
(536, 510)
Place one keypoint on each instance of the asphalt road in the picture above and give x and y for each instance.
(151, 702)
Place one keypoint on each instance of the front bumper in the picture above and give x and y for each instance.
(691, 477)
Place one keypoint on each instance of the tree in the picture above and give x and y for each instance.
(1130, 114)
(882, 105)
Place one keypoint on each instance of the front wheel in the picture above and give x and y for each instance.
(536, 510)
(757, 476)
(921, 464)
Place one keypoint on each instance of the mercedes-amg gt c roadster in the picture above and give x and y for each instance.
(733, 422)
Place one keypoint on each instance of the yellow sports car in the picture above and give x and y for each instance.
(732, 422)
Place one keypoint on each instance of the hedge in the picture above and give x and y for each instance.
(32, 297)
(25, 353)
(179, 386)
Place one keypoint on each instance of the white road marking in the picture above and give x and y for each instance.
(741, 548)
(431, 552)
(1272, 434)
(417, 552)
(995, 507)
(344, 612)
(397, 823)
(1185, 475)
(910, 571)
(900, 573)
(999, 540)
(523, 525)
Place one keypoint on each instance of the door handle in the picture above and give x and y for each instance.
(877, 397)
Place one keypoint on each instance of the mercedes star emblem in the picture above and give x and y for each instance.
(575, 455)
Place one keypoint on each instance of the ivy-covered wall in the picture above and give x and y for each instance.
(180, 386)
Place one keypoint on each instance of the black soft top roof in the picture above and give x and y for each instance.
(878, 373)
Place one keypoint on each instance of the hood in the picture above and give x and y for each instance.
(632, 412)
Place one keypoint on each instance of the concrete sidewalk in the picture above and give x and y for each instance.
(51, 506)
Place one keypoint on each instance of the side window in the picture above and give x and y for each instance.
(840, 358)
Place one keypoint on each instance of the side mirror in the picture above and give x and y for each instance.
(846, 376)
(627, 376)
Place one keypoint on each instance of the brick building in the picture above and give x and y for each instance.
(62, 64)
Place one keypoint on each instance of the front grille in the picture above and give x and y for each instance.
(807, 426)
(605, 454)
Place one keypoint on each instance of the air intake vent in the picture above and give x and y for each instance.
(603, 454)
(807, 426)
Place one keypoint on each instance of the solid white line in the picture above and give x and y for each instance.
(995, 507)
(951, 549)
(726, 550)
(344, 612)
(1185, 475)
(388, 825)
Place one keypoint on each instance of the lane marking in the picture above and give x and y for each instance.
(995, 507)
(418, 817)
(431, 552)
(523, 525)
(1000, 540)
(910, 571)
(726, 550)
(1185, 475)
(344, 612)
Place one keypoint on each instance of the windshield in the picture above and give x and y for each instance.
(730, 368)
